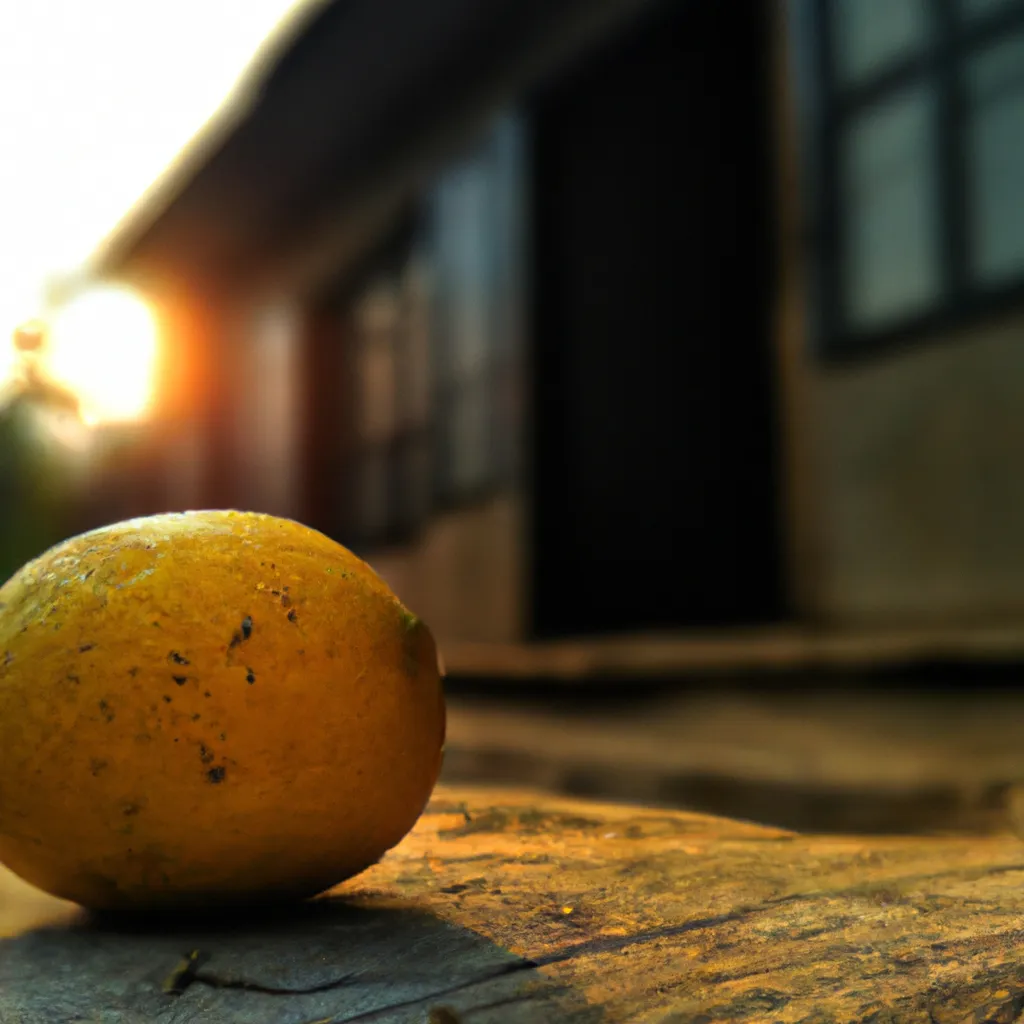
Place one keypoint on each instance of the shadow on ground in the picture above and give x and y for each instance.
(333, 960)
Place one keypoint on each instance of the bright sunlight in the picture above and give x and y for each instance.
(103, 347)
(95, 107)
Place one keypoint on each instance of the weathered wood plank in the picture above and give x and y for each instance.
(508, 907)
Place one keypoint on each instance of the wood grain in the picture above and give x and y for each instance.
(507, 906)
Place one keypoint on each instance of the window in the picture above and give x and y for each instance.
(413, 450)
(869, 36)
(374, 342)
(889, 203)
(478, 251)
(916, 113)
(391, 462)
(995, 153)
(436, 348)
(465, 262)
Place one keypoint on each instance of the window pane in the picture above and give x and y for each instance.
(471, 450)
(415, 482)
(890, 210)
(510, 215)
(506, 421)
(376, 323)
(995, 160)
(266, 440)
(371, 497)
(868, 35)
(464, 253)
(979, 8)
(418, 382)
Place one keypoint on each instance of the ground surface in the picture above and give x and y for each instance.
(864, 758)
(507, 906)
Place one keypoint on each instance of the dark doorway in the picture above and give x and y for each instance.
(654, 441)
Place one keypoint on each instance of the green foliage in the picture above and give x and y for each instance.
(32, 487)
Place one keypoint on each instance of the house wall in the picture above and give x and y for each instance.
(921, 494)
(167, 461)
(266, 424)
(465, 576)
(226, 426)
(242, 442)
(904, 497)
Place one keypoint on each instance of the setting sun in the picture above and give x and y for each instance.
(103, 346)
(94, 114)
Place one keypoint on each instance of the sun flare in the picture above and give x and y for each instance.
(103, 347)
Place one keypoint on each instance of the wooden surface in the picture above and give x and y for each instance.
(516, 907)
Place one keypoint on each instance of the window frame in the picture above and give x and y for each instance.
(421, 271)
(836, 107)
(500, 158)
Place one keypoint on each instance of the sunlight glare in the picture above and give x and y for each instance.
(104, 346)
(95, 110)
(8, 358)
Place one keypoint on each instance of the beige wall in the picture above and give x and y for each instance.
(904, 496)
(466, 575)
(234, 381)
(918, 460)
(265, 434)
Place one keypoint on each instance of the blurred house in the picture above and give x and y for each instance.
(582, 317)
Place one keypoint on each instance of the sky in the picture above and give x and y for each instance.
(97, 99)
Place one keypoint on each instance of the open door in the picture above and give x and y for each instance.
(655, 470)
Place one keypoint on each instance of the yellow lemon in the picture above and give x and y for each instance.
(207, 708)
